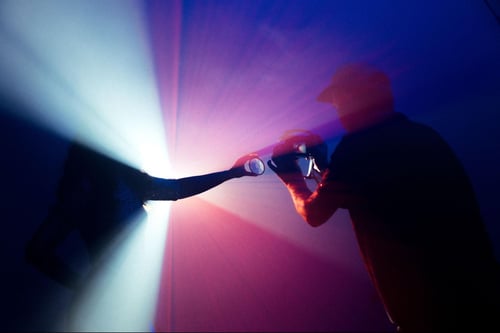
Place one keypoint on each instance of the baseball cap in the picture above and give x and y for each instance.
(354, 77)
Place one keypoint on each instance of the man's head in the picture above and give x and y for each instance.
(361, 94)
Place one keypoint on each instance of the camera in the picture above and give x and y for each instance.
(300, 150)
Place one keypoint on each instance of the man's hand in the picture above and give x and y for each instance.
(238, 169)
(284, 163)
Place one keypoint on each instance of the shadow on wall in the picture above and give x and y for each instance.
(32, 163)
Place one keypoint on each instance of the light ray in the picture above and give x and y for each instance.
(86, 75)
(84, 70)
(122, 294)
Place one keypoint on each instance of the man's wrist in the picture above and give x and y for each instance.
(292, 178)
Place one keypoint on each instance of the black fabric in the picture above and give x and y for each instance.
(97, 195)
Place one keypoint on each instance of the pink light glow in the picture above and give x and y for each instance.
(223, 273)
(238, 257)
(227, 90)
(230, 76)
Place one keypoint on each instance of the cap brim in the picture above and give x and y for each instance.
(326, 95)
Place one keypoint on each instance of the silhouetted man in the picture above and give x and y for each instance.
(96, 197)
(412, 207)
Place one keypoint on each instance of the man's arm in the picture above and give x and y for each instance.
(314, 207)
(173, 189)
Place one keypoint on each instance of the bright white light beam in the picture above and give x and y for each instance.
(84, 69)
(122, 296)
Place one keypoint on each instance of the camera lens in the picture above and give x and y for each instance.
(255, 166)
